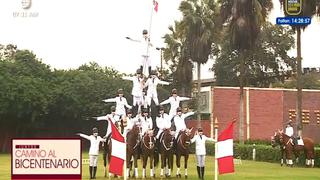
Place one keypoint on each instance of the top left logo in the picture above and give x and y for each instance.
(26, 4)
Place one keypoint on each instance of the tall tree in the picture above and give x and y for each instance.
(199, 24)
(267, 62)
(177, 56)
(309, 8)
(244, 19)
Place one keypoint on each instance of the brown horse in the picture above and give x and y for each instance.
(290, 148)
(132, 149)
(182, 149)
(148, 149)
(107, 146)
(166, 151)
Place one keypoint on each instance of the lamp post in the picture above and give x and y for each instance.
(161, 57)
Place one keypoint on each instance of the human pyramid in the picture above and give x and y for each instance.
(126, 118)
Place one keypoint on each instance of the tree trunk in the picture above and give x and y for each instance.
(241, 110)
(199, 93)
(299, 84)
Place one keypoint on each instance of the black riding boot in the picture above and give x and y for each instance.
(94, 172)
(149, 69)
(90, 170)
(198, 170)
(141, 68)
(202, 172)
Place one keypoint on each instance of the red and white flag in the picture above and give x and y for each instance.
(225, 150)
(118, 152)
(155, 4)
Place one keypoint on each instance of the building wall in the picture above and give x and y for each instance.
(268, 110)
(310, 106)
(266, 113)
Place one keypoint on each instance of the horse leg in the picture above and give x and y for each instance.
(186, 157)
(162, 165)
(282, 155)
(135, 162)
(144, 164)
(104, 163)
(151, 166)
(128, 157)
(178, 165)
(289, 157)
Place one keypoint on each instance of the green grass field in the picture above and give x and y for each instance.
(246, 170)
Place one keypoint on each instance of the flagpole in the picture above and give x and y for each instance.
(125, 162)
(150, 25)
(216, 149)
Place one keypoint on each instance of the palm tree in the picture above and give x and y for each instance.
(199, 28)
(310, 8)
(176, 52)
(244, 19)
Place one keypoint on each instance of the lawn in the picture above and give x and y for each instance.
(246, 170)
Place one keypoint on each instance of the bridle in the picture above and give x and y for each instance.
(151, 144)
(181, 143)
(164, 144)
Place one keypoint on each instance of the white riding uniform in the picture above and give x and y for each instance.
(289, 131)
(179, 122)
(121, 103)
(201, 148)
(163, 122)
(94, 148)
(174, 103)
(146, 124)
(114, 119)
(136, 89)
(130, 123)
(152, 84)
(144, 48)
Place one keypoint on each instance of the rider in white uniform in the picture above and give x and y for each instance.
(200, 140)
(95, 141)
(146, 122)
(137, 87)
(113, 117)
(163, 121)
(145, 48)
(121, 103)
(179, 121)
(174, 102)
(152, 84)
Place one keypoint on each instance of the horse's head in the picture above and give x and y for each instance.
(167, 139)
(149, 139)
(277, 138)
(186, 137)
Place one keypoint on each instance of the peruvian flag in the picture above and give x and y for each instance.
(118, 151)
(155, 4)
(225, 150)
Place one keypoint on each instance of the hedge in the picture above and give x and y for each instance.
(265, 153)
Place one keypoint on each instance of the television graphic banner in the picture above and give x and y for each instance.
(46, 159)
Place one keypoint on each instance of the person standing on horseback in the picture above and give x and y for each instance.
(145, 48)
(152, 84)
(200, 140)
(174, 102)
(121, 103)
(113, 117)
(179, 121)
(137, 87)
(93, 151)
